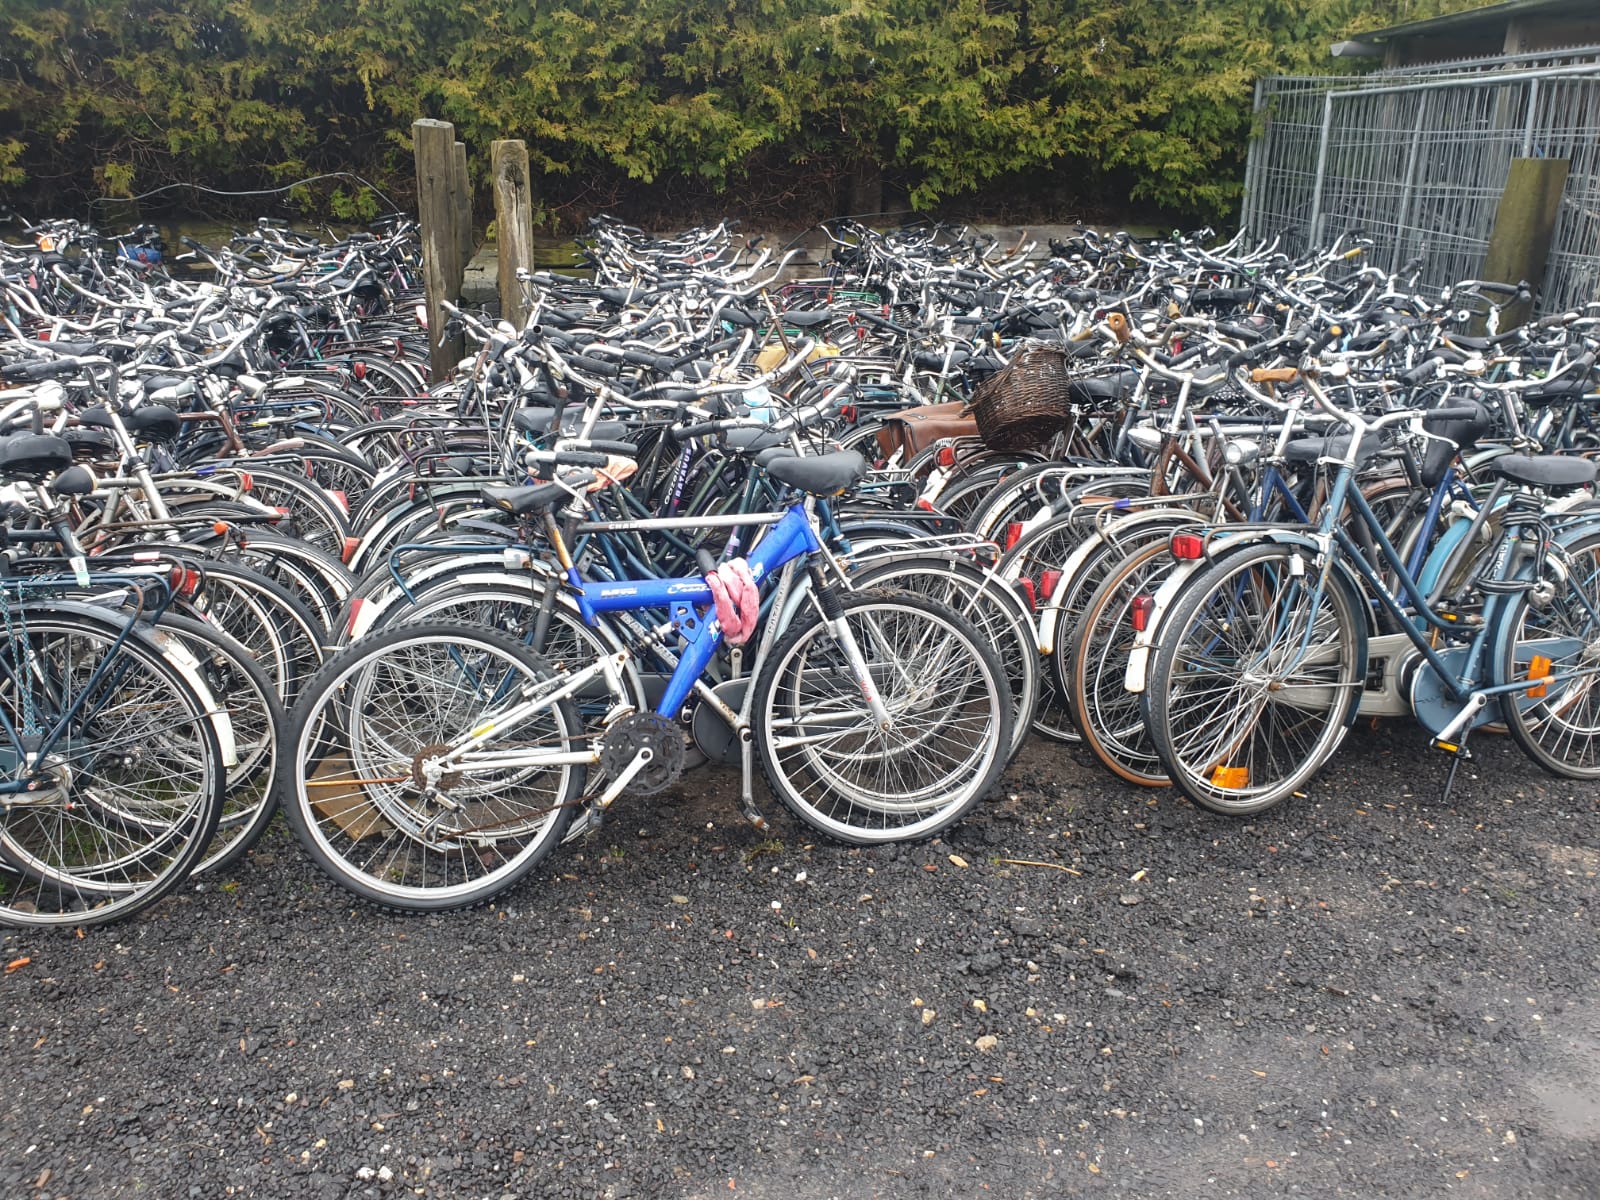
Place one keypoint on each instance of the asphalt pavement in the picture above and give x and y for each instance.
(1085, 989)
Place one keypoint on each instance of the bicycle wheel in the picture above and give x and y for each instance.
(266, 619)
(510, 609)
(1256, 677)
(258, 723)
(1558, 726)
(355, 791)
(993, 607)
(1104, 710)
(125, 800)
(827, 758)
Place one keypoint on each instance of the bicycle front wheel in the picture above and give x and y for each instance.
(1255, 679)
(127, 783)
(842, 772)
(357, 792)
(1557, 724)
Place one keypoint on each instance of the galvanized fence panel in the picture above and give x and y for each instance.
(1416, 160)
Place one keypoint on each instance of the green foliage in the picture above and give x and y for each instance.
(771, 98)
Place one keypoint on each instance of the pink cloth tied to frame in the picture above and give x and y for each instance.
(738, 602)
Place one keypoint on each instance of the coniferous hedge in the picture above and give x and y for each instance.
(791, 107)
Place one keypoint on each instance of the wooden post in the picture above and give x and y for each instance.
(1524, 224)
(433, 146)
(513, 223)
(463, 190)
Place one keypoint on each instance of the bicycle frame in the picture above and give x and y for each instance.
(791, 536)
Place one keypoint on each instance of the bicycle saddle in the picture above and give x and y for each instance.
(820, 474)
(1551, 472)
(33, 456)
(1335, 445)
(525, 501)
(536, 420)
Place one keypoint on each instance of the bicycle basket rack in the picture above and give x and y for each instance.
(1025, 403)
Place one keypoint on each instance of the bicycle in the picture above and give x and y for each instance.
(432, 766)
(1260, 655)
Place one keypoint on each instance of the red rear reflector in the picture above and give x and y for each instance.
(1029, 593)
(946, 456)
(356, 606)
(1143, 606)
(183, 581)
(1013, 532)
(246, 482)
(341, 498)
(1049, 581)
(848, 412)
(925, 505)
(1187, 546)
(348, 550)
(358, 369)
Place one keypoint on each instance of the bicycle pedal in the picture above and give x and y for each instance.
(588, 820)
(1456, 749)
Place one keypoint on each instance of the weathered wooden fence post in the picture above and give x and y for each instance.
(1524, 225)
(513, 222)
(463, 187)
(433, 146)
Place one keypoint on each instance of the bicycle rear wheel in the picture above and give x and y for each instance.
(1255, 680)
(827, 758)
(355, 791)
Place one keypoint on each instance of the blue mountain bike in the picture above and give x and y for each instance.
(433, 765)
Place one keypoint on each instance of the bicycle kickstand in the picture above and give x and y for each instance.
(1452, 739)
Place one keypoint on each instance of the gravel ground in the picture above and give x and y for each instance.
(1086, 989)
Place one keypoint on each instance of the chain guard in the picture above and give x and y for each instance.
(624, 738)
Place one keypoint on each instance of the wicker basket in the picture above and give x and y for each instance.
(1025, 404)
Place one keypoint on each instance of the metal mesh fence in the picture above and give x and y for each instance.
(1416, 159)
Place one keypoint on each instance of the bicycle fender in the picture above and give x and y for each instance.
(1135, 678)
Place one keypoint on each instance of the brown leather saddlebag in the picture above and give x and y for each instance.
(915, 429)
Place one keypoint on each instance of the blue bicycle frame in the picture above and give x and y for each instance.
(791, 537)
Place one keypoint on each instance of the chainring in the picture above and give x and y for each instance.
(626, 737)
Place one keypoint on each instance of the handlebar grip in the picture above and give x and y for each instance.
(1243, 332)
(593, 366)
(1219, 296)
(1193, 352)
(33, 372)
(1421, 374)
(645, 358)
(683, 433)
(1454, 412)
(601, 446)
(567, 458)
(1323, 340)
(1274, 374)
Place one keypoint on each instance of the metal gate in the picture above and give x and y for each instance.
(1416, 160)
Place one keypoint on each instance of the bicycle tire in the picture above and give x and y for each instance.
(1254, 683)
(352, 792)
(258, 721)
(997, 610)
(138, 782)
(1105, 712)
(857, 783)
(1559, 728)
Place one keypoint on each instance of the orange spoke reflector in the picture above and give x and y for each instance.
(1539, 668)
(1232, 778)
